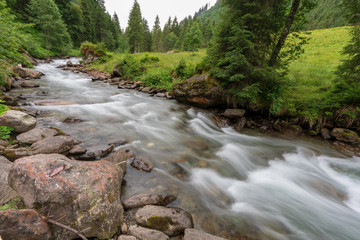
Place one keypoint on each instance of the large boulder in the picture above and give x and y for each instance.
(82, 195)
(35, 135)
(142, 233)
(200, 91)
(24, 224)
(345, 135)
(193, 234)
(171, 221)
(27, 73)
(6, 192)
(147, 199)
(20, 121)
(57, 144)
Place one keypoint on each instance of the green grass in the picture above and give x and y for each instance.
(313, 73)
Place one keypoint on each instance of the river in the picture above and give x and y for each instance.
(236, 185)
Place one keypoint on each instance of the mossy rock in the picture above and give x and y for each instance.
(159, 223)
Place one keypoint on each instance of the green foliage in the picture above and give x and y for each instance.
(130, 67)
(3, 108)
(193, 38)
(157, 44)
(149, 59)
(5, 132)
(88, 48)
(183, 70)
(16, 203)
(159, 78)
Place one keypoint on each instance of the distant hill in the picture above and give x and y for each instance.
(327, 14)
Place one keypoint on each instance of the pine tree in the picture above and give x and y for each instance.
(175, 27)
(193, 37)
(157, 36)
(134, 30)
(347, 84)
(117, 22)
(47, 18)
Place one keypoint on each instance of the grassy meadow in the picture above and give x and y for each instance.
(310, 76)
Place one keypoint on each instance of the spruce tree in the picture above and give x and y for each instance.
(193, 37)
(147, 43)
(157, 36)
(134, 30)
(347, 84)
(47, 18)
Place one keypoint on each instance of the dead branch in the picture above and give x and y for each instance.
(67, 228)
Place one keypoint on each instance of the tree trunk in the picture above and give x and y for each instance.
(285, 33)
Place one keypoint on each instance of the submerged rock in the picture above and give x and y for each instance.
(200, 91)
(23, 224)
(171, 221)
(97, 152)
(6, 192)
(35, 135)
(53, 102)
(142, 233)
(83, 195)
(20, 121)
(142, 164)
(147, 199)
(193, 234)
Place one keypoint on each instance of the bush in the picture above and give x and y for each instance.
(149, 59)
(129, 67)
(158, 78)
(97, 50)
(184, 71)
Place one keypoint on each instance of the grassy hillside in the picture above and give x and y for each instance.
(312, 74)
(327, 14)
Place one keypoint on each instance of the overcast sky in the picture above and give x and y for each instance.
(151, 8)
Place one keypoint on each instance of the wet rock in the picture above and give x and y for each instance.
(142, 164)
(147, 234)
(193, 234)
(171, 221)
(161, 95)
(240, 124)
(77, 149)
(69, 64)
(97, 152)
(277, 127)
(35, 135)
(84, 195)
(147, 199)
(29, 84)
(57, 144)
(27, 73)
(293, 130)
(10, 100)
(126, 237)
(169, 95)
(32, 60)
(4, 142)
(147, 89)
(345, 135)
(53, 102)
(325, 133)
(72, 120)
(24, 224)
(119, 158)
(200, 91)
(14, 153)
(221, 122)
(234, 113)
(20, 121)
(6, 192)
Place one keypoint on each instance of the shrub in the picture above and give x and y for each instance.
(159, 78)
(184, 71)
(88, 48)
(149, 59)
(129, 67)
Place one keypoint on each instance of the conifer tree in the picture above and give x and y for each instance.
(134, 30)
(157, 36)
(193, 37)
(47, 18)
(175, 27)
(147, 43)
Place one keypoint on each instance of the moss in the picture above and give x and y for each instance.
(59, 131)
(15, 203)
(159, 223)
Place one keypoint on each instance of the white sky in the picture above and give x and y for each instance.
(151, 8)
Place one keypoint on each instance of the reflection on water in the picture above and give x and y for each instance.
(234, 184)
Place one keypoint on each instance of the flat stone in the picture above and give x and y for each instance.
(23, 224)
(14, 153)
(234, 113)
(171, 221)
(193, 234)
(147, 199)
(147, 234)
(77, 149)
(29, 84)
(57, 144)
(97, 152)
(20, 121)
(35, 135)
(84, 195)
(6, 192)
(142, 164)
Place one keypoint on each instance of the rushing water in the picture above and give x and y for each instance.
(235, 185)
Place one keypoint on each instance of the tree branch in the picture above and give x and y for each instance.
(67, 228)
